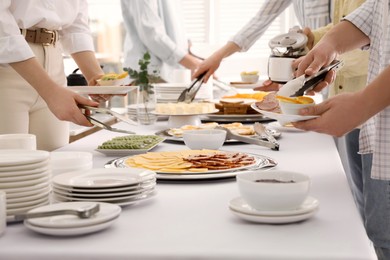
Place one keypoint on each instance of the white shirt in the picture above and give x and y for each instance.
(372, 19)
(153, 26)
(310, 13)
(69, 17)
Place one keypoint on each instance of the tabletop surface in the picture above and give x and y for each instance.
(191, 219)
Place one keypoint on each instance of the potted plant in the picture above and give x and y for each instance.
(146, 98)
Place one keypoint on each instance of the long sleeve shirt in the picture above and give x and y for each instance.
(373, 20)
(69, 17)
(353, 75)
(310, 13)
(153, 26)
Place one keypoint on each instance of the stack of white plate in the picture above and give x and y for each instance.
(70, 225)
(118, 186)
(169, 92)
(25, 177)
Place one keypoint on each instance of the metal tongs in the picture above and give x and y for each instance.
(298, 86)
(274, 145)
(189, 94)
(85, 212)
(102, 125)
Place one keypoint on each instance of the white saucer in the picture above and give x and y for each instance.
(282, 118)
(240, 205)
(13, 158)
(99, 178)
(71, 231)
(106, 213)
(274, 219)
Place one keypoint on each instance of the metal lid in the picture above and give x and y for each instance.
(288, 44)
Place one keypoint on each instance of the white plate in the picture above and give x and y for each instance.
(240, 205)
(262, 163)
(18, 205)
(22, 178)
(23, 175)
(276, 125)
(102, 89)
(19, 184)
(23, 169)
(22, 157)
(70, 231)
(121, 164)
(247, 86)
(282, 118)
(102, 178)
(103, 198)
(145, 184)
(101, 194)
(107, 211)
(122, 202)
(33, 187)
(11, 199)
(27, 208)
(274, 219)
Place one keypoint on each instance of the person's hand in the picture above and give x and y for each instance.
(321, 55)
(64, 105)
(268, 85)
(99, 97)
(211, 64)
(338, 115)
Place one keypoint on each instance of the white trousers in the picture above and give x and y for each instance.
(22, 110)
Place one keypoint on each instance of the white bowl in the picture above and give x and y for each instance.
(250, 78)
(292, 108)
(204, 139)
(18, 141)
(273, 190)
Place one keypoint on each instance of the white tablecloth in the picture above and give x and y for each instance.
(191, 220)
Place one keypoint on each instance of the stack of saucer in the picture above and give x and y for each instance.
(243, 210)
(169, 92)
(70, 225)
(115, 185)
(25, 177)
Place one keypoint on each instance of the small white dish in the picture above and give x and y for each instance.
(212, 139)
(19, 157)
(106, 213)
(35, 175)
(240, 205)
(26, 183)
(246, 85)
(283, 119)
(98, 178)
(64, 232)
(273, 219)
(24, 168)
(102, 89)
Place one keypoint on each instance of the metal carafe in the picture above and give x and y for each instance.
(285, 48)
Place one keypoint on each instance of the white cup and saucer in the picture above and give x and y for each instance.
(274, 197)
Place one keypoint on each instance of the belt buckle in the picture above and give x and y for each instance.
(53, 36)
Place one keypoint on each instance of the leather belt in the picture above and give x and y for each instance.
(42, 36)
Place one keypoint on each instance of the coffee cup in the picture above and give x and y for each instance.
(280, 69)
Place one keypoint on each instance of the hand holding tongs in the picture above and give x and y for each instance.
(249, 140)
(298, 86)
(102, 125)
(189, 94)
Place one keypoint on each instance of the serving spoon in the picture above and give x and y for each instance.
(84, 212)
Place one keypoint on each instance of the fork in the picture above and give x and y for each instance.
(85, 212)
(102, 125)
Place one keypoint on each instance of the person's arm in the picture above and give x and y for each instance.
(88, 65)
(344, 112)
(245, 38)
(61, 101)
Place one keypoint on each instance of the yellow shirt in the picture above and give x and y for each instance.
(353, 76)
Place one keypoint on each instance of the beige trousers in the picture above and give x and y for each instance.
(22, 110)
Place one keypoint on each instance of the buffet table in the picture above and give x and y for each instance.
(191, 219)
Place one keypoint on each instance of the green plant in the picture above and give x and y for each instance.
(142, 78)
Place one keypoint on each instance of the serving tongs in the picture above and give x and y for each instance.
(298, 86)
(102, 125)
(85, 212)
(189, 94)
(274, 145)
